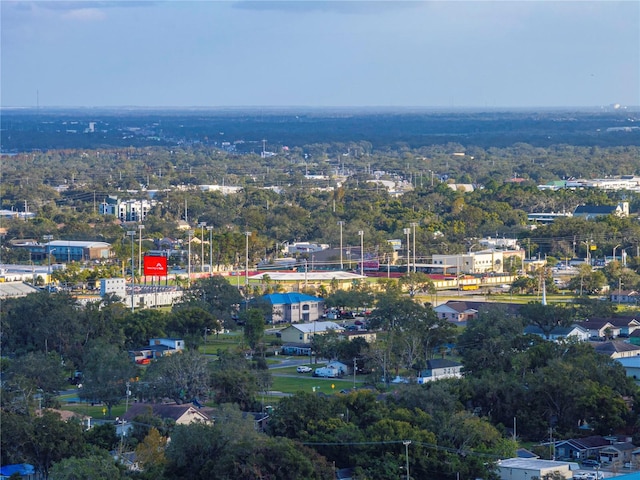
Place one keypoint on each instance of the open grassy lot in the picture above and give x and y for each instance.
(307, 383)
(95, 411)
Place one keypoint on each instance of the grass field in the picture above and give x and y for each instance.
(307, 383)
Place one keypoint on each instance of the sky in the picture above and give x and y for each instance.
(329, 53)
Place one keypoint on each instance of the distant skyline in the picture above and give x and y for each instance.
(332, 53)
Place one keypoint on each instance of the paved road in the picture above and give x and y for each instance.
(294, 362)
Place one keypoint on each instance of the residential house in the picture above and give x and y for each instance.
(437, 369)
(460, 311)
(456, 312)
(366, 335)
(180, 414)
(304, 332)
(618, 453)
(622, 326)
(624, 296)
(618, 349)
(158, 347)
(528, 468)
(581, 448)
(600, 328)
(575, 332)
(293, 307)
(634, 337)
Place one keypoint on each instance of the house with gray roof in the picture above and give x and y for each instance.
(440, 368)
(617, 349)
(575, 332)
(581, 448)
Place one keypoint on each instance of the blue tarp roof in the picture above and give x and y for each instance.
(19, 468)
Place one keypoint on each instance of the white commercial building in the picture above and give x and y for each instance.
(528, 468)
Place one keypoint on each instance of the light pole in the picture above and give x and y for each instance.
(614, 251)
(406, 444)
(202, 225)
(588, 245)
(140, 228)
(341, 223)
(49, 265)
(189, 235)
(407, 232)
(246, 259)
(414, 225)
(132, 234)
(361, 233)
(48, 238)
(210, 229)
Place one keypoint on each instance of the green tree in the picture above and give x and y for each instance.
(546, 317)
(40, 440)
(214, 295)
(102, 436)
(86, 468)
(182, 377)
(253, 327)
(106, 372)
(150, 453)
(190, 323)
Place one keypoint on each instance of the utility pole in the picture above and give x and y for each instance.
(246, 261)
(132, 234)
(341, 223)
(414, 225)
(407, 232)
(355, 367)
(140, 228)
(406, 444)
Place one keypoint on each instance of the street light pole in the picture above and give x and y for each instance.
(341, 223)
(48, 238)
(361, 233)
(132, 234)
(246, 259)
(49, 266)
(614, 251)
(202, 225)
(140, 228)
(414, 225)
(210, 250)
(407, 232)
(189, 235)
(406, 444)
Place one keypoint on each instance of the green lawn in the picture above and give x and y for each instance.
(306, 383)
(94, 411)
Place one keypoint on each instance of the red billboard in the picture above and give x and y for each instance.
(155, 266)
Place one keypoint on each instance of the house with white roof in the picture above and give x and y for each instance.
(528, 468)
(304, 332)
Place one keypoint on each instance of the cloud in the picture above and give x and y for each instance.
(85, 14)
(328, 6)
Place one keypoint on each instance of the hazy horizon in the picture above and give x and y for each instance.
(533, 54)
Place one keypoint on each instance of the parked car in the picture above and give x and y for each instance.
(303, 369)
(591, 463)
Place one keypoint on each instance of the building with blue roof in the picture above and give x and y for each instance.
(293, 307)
